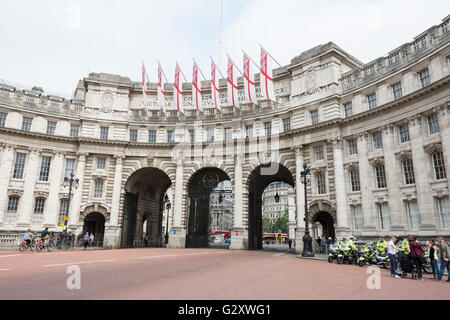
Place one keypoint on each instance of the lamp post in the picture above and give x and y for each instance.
(71, 182)
(168, 205)
(305, 177)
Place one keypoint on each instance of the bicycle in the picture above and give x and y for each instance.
(28, 245)
(42, 246)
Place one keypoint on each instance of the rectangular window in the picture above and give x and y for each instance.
(63, 210)
(287, 124)
(358, 217)
(315, 117)
(2, 119)
(51, 127)
(319, 153)
(381, 177)
(13, 204)
(19, 165)
(438, 165)
(249, 132)
(151, 136)
(424, 76)
(210, 135)
(404, 133)
(412, 211)
(377, 140)
(26, 124)
(98, 189)
(433, 123)
(352, 146)
(74, 131)
(354, 178)
(70, 167)
(383, 216)
(133, 135)
(228, 134)
(372, 101)
(170, 138)
(268, 128)
(397, 90)
(101, 163)
(38, 214)
(45, 168)
(321, 186)
(444, 211)
(104, 133)
(191, 136)
(408, 171)
(348, 108)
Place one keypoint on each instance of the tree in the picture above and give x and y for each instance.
(282, 222)
(267, 226)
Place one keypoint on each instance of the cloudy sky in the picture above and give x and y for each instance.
(53, 44)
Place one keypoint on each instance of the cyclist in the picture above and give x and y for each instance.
(45, 236)
(27, 237)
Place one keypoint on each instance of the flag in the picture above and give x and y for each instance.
(215, 86)
(177, 90)
(266, 76)
(196, 92)
(144, 89)
(161, 100)
(249, 82)
(232, 92)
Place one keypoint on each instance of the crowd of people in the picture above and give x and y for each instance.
(86, 240)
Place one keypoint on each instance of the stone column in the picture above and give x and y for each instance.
(112, 230)
(444, 121)
(239, 238)
(6, 163)
(31, 171)
(75, 206)
(55, 179)
(300, 200)
(342, 229)
(178, 240)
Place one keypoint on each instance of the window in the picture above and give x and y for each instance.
(377, 140)
(268, 128)
(228, 134)
(191, 136)
(433, 123)
(74, 131)
(38, 214)
(249, 132)
(26, 124)
(287, 124)
(358, 217)
(51, 127)
(404, 133)
(380, 175)
(2, 119)
(101, 163)
(104, 133)
(352, 146)
(19, 165)
(408, 171)
(424, 76)
(354, 179)
(372, 101)
(412, 211)
(444, 211)
(348, 109)
(319, 153)
(63, 210)
(133, 135)
(438, 165)
(170, 138)
(210, 135)
(45, 168)
(383, 216)
(98, 189)
(70, 167)
(13, 204)
(315, 116)
(397, 90)
(321, 186)
(152, 136)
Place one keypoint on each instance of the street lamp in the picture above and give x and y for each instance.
(305, 177)
(71, 182)
(277, 198)
(168, 205)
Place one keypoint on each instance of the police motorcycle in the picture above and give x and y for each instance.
(347, 254)
(333, 252)
(368, 255)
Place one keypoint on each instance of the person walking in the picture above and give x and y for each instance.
(86, 240)
(146, 240)
(444, 254)
(433, 257)
(416, 256)
(91, 239)
(392, 254)
(290, 243)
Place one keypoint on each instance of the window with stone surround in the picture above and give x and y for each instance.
(2, 119)
(228, 134)
(51, 127)
(191, 136)
(210, 135)
(354, 179)
(170, 137)
(287, 124)
(101, 163)
(74, 131)
(133, 135)
(63, 210)
(404, 133)
(424, 77)
(444, 211)
(438, 165)
(352, 146)
(70, 167)
(321, 185)
(268, 128)
(152, 136)
(104, 133)
(383, 216)
(372, 101)
(380, 176)
(19, 165)
(377, 140)
(314, 116)
(98, 189)
(319, 152)
(397, 90)
(249, 131)
(358, 217)
(45, 168)
(433, 123)
(348, 109)
(408, 171)
(11, 212)
(38, 213)
(26, 124)
(412, 212)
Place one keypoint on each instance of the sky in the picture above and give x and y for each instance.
(54, 44)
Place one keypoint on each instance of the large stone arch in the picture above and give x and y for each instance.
(323, 212)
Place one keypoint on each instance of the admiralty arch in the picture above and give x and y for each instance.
(376, 137)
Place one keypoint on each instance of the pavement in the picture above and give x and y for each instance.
(199, 274)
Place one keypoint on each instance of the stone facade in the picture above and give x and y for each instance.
(376, 137)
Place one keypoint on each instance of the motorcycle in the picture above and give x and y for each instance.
(347, 255)
(368, 255)
(333, 254)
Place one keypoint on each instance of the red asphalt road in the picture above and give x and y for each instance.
(197, 274)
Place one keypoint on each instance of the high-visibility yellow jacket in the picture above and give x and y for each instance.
(382, 246)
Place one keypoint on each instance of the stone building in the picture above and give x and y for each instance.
(376, 137)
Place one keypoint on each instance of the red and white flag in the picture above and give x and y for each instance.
(232, 90)
(144, 87)
(266, 76)
(196, 92)
(177, 90)
(161, 100)
(249, 82)
(215, 93)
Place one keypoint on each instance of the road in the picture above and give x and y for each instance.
(197, 274)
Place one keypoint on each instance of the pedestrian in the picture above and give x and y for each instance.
(91, 239)
(86, 240)
(416, 256)
(79, 239)
(444, 254)
(392, 254)
(433, 256)
(290, 243)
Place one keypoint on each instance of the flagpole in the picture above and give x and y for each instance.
(235, 65)
(259, 67)
(181, 71)
(159, 65)
(217, 67)
(200, 70)
(272, 56)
